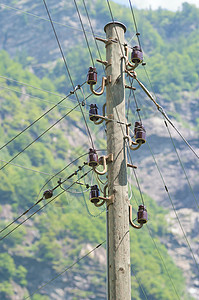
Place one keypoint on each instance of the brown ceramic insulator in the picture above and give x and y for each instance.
(137, 55)
(92, 76)
(93, 158)
(142, 217)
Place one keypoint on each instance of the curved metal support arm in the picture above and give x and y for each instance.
(102, 89)
(133, 143)
(131, 219)
(104, 165)
(101, 203)
(138, 145)
(132, 66)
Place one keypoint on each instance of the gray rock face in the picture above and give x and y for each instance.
(28, 35)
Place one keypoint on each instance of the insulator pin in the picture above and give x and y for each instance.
(92, 76)
(93, 112)
(47, 194)
(142, 217)
(94, 194)
(93, 158)
(140, 133)
(137, 55)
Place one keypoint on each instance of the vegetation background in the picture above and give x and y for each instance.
(69, 227)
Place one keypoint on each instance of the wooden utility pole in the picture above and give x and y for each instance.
(118, 252)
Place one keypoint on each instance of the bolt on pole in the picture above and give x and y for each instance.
(118, 241)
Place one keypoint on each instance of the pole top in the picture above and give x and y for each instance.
(115, 23)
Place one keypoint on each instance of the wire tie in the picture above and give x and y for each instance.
(166, 188)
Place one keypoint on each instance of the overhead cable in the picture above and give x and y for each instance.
(191, 189)
(2, 238)
(67, 69)
(6, 144)
(89, 49)
(42, 18)
(66, 269)
(172, 204)
(38, 137)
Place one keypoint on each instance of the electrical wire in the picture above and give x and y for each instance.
(26, 168)
(2, 238)
(162, 260)
(42, 18)
(39, 200)
(139, 283)
(66, 269)
(32, 86)
(134, 20)
(172, 204)
(191, 189)
(160, 256)
(38, 137)
(67, 69)
(85, 36)
(43, 115)
(32, 96)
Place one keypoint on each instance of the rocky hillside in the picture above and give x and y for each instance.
(170, 43)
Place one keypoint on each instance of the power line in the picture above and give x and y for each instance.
(67, 69)
(32, 86)
(84, 33)
(140, 285)
(181, 164)
(171, 201)
(42, 18)
(136, 28)
(38, 137)
(160, 256)
(26, 168)
(66, 269)
(40, 118)
(2, 238)
(42, 198)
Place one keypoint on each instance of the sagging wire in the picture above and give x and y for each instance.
(39, 200)
(43, 205)
(38, 137)
(42, 18)
(159, 254)
(68, 72)
(135, 24)
(85, 36)
(6, 144)
(172, 204)
(66, 269)
(191, 189)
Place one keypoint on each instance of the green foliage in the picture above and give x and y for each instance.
(56, 235)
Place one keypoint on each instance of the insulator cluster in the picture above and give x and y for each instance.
(137, 55)
(139, 133)
(92, 76)
(142, 217)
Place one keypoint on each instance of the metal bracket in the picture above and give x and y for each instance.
(131, 166)
(109, 159)
(104, 62)
(130, 87)
(106, 41)
(108, 79)
(110, 200)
